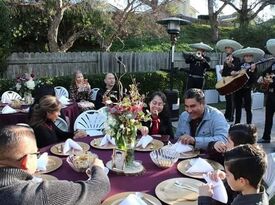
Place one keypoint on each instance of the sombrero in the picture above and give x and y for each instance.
(270, 45)
(221, 44)
(201, 45)
(256, 52)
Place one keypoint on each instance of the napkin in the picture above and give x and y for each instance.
(106, 139)
(42, 162)
(219, 191)
(144, 141)
(180, 148)
(132, 199)
(69, 145)
(7, 110)
(200, 165)
(64, 100)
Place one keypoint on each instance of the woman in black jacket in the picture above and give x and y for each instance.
(42, 121)
(160, 123)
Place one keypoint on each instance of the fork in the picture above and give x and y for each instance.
(187, 187)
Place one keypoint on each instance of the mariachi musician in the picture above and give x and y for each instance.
(247, 55)
(268, 79)
(199, 63)
(231, 63)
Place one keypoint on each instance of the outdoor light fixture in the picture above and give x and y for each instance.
(173, 28)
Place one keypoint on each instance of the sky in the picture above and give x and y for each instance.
(202, 8)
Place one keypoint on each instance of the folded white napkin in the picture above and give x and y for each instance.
(69, 145)
(64, 100)
(144, 141)
(42, 162)
(107, 139)
(180, 148)
(219, 191)
(7, 110)
(199, 165)
(132, 199)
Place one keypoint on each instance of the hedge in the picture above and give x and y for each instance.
(147, 82)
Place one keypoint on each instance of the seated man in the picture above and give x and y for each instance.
(245, 166)
(110, 92)
(18, 161)
(200, 124)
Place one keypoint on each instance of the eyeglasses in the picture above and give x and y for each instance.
(34, 153)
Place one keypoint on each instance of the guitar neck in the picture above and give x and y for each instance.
(264, 60)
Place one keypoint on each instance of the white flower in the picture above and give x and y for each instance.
(18, 86)
(30, 84)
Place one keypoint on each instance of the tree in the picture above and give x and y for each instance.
(53, 11)
(213, 18)
(5, 34)
(248, 9)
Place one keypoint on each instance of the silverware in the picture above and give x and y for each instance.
(185, 186)
(59, 148)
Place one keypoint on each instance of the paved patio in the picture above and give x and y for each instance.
(259, 120)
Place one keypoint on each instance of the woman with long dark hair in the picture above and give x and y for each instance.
(160, 123)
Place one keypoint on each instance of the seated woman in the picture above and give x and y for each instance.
(80, 91)
(41, 92)
(42, 121)
(160, 123)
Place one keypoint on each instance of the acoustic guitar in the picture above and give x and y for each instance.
(231, 84)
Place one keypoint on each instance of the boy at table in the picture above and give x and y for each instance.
(245, 166)
(18, 162)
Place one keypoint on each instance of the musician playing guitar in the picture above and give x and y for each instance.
(231, 63)
(270, 93)
(244, 94)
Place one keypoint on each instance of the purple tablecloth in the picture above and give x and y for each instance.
(119, 183)
(71, 111)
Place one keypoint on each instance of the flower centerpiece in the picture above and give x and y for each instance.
(25, 85)
(124, 119)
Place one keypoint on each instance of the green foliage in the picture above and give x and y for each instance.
(255, 35)
(5, 34)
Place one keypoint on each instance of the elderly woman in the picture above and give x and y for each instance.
(160, 123)
(42, 121)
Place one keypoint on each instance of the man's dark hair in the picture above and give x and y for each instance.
(243, 134)
(247, 161)
(195, 93)
(10, 137)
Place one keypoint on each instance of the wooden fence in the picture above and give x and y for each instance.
(62, 64)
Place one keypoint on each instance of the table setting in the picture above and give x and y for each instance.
(154, 180)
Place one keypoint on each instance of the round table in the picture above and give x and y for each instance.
(119, 183)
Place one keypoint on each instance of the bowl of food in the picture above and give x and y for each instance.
(164, 158)
(82, 161)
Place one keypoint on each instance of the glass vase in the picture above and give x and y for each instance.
(126, 142)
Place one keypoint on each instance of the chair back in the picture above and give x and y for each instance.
(91, 121)
(94, 93)
(269, 176)
(8, 96)
(61, 124)
(61, 91)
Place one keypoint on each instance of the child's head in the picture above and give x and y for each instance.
(241, 134)
(245, 166)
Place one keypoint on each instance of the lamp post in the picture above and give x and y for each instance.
(173, 28)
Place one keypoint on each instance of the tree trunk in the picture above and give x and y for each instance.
(213, 20)
(54, 26)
